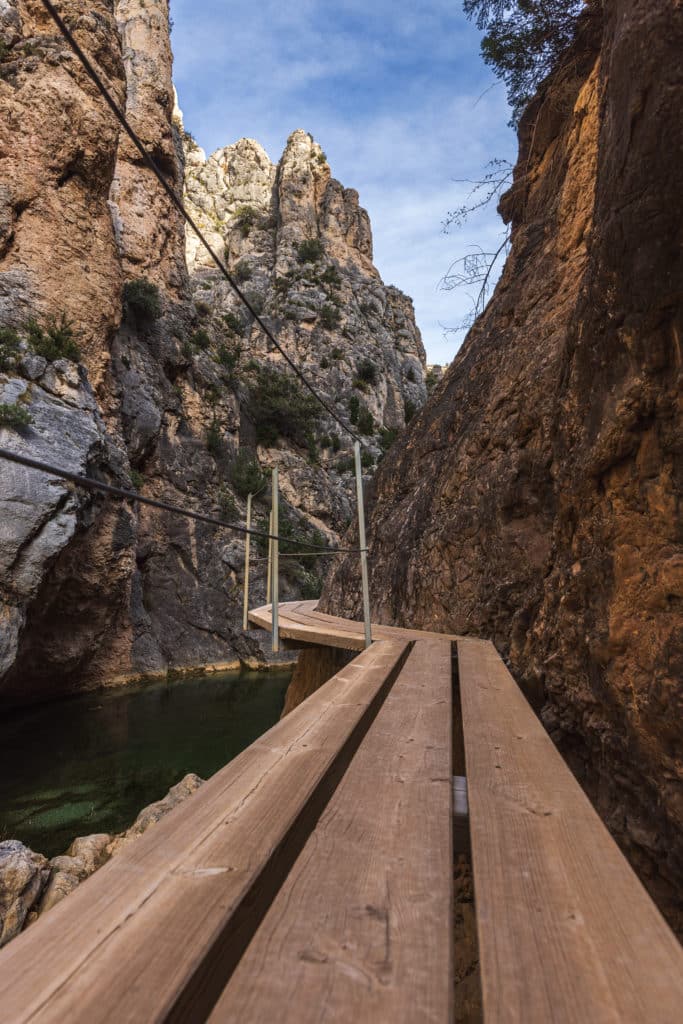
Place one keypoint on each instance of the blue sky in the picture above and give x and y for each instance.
(395, 93)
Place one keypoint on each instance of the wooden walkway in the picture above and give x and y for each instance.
(311, 878)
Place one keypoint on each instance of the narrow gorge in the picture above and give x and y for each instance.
(169, 378)
(529, 495)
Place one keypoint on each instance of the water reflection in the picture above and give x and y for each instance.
(91, 763)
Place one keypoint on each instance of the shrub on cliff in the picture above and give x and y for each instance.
(242, 272)
(330, 317)
(53, 340)
(245, 218)
(142, 302)
(523, 40)
(14, 416)
(366, 372)
(280, 407)
(246, 474)
(366, 424)
(310, 250)
(9, 348)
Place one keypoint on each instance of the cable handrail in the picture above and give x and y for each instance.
(180, 206)
(121, 492)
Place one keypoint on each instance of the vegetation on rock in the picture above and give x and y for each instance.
(280, 407)
(524, 40)
(142, 302)
(14, 416)
(53, 340)
(246, 474)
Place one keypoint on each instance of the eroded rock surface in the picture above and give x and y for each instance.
(536, 499)
(23, 874)
(30, 885)
(95, 591)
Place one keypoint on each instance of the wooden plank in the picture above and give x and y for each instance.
(154, 933)
(361, 929)
(566, 931)
(300, 621)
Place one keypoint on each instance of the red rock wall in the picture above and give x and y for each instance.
(536, 498)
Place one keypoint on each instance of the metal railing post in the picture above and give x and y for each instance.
(363, 545)
(269, 576)
(245, 609)
(276, 554)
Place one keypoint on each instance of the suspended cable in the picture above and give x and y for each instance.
(119, 492)
(179, 205)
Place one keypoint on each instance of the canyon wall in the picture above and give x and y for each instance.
(536, 498)
(126, 358)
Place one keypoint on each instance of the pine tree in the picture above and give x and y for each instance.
(523, 40)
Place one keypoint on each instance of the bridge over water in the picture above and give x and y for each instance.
(311, 879)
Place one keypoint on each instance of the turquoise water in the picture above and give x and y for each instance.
(91, 763)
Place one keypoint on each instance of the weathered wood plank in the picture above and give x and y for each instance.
(361, 929)
(566, 931)
(300, 621)
(153, 934)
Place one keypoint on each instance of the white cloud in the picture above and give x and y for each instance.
(393, 93)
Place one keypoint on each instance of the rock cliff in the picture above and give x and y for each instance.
(124, 357)
(536, 497)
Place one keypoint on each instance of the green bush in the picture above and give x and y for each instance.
(200, 339)
(214, 439)
(367, 459)
(337, 353)
(14, 416)
(410, 409)
(366, 371)
(310, 250)
(142, 303)
(310, 585)
(523, 41)
(54, 340)
(432, 379)
(345, 464)
(330, 317)
(331, 276)
(280, 407)
(137, 479)
(242, 272)
(203, 308)
(9, 348)
(233, 323)
(246, 474)
(335, 443)
(227, 507)
(229, 358)
(386, 437)
(245, 218)
(366, 423)
(354, 409)
(186, 349)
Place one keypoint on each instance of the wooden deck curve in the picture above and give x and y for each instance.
(299, 621)
(311, 878)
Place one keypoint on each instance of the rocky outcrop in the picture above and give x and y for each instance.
(536, 498)
(30, 885)
(23, 874)
(162, 396)
(300, 245)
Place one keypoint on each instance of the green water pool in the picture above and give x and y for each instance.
(91, 763)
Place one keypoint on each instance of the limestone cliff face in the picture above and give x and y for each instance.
(327, 304)
(95, 591)
(536, 498)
